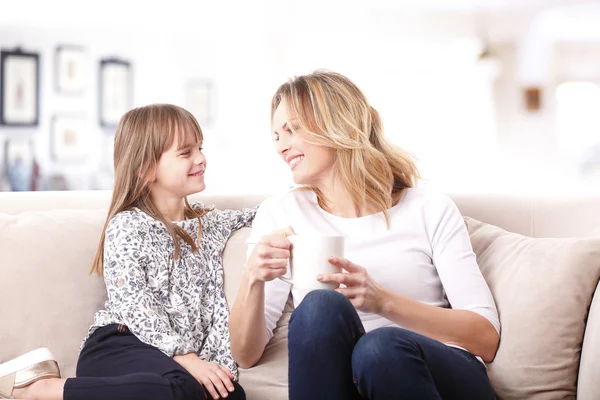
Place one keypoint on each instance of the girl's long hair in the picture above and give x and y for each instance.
(143, 134)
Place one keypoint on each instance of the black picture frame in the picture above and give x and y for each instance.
(19, 88)
(71, 69)
(115, 93)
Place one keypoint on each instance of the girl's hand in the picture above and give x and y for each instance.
(363, 292)
(215, 378)
(270, 256)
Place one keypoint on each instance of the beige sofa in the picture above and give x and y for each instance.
(48, 299)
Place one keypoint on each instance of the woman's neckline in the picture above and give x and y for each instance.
(313, 197)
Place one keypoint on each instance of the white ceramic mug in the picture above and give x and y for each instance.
(309, 257)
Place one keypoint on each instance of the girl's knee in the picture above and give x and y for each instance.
(185, 387)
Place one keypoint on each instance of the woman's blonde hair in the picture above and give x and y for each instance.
(333, 112)
(143, 134)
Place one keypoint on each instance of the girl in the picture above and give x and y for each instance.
(388, 331)
(164, 331)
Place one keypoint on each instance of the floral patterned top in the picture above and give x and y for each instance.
(177, 306)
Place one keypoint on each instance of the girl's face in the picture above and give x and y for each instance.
(180, 169)
(311, 164)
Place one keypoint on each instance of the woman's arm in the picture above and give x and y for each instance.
(472, 323)
(462, 328)
(250, 324)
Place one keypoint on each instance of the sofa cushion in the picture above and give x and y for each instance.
(47, 297)
(543, 289)
(268, 379)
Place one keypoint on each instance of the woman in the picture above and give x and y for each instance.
(414, 317)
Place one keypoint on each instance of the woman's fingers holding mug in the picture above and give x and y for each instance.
(345, 264)
(341, 278)
(270, 274)
(287, 231)
(275, 252)
(277, 241)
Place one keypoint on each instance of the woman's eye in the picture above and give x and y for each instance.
(185, 153)
(276, 137)
(201, 148)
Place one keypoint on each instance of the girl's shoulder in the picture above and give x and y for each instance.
(132, 219)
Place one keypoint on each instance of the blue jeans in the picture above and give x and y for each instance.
(331, 357)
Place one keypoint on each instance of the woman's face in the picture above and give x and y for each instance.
(311, 164)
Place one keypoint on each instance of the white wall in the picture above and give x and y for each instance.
(419, 70)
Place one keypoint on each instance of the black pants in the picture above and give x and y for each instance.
(115, 365)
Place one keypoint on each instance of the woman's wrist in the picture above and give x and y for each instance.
(385, 302)
(251, 279)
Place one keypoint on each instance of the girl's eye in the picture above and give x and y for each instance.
(185, 153)
(276, 137)
(201, 148)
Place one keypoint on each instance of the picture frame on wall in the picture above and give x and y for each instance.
(19, 88)
(71, 69)
(69, 141)
(115, 91)
(199, 100)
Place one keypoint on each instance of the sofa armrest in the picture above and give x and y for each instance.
(589, 368)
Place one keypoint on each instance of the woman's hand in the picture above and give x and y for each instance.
(363, 292)
(270, 256)
(215, 378)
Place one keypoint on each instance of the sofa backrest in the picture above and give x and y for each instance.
(532, 216)
(48, 240)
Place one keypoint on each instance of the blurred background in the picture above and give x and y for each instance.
(489, 95)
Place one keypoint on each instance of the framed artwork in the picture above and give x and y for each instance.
(69, 138)
(115, 91)
(19, 88)
(71, 70)
(19, 163)
(199, 100)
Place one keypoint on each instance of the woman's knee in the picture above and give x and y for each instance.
(383, 344)
(321, 311)
(320, 306)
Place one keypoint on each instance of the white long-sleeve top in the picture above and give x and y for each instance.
(425, 254)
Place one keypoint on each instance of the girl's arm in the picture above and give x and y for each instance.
(227, 221)
(127, 254)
